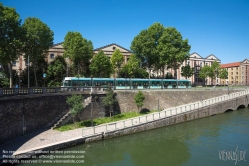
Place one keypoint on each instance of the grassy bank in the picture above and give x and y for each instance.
(98, 121)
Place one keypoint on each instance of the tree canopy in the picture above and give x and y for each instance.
(38, 39)
(139, 99)
(101, 66)
(173, 49)
(11, 38)
(187, 71)
(117, 60)
(109, 100)
(205, 72)
(215, 70)
(75, 102)
(158, 47)
(79, 50)
(56, 71)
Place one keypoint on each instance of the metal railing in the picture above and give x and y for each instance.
(169, 112)
(25, 91)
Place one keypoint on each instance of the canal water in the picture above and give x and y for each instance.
(213, 141)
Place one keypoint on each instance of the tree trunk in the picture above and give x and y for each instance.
(175, 73)
(163, 72)
(34, 66)
(11, 74)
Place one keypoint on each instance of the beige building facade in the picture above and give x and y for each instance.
(196, 61)
(238, 73)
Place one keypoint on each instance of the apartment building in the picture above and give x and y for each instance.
(196, 61)
(238, 73)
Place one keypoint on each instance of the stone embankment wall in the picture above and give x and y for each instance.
(34, 112)
(40, 110)
(167, 99)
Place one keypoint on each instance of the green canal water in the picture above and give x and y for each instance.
(202, 142)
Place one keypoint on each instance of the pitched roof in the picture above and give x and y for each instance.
(57, 44)
(97, 49)
(234, 64)
(196, 54)
(213, 56)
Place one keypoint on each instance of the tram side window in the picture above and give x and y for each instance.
(134, 83)
(66, 83)
(74, 83)
(121, 83)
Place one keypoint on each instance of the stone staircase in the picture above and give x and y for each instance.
(56, 119)
(68, 116)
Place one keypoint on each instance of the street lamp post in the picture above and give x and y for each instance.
(28, 71)
(19, 75)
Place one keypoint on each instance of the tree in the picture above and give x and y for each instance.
(138, 73)
(173, 49)
(79, 51)
(11, 38)
(117, 60)
(4, 81)
(205, 72)
(168, 76)
(223, 74)
(139, 99)
(75, 102)
(39, 70)
(101, 65)
(56, 71)
(187, 71)
(145, 46)
(215, 69)
(38, 39)
(109, 100)
(132, 66)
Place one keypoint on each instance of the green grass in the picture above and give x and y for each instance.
(98, 121)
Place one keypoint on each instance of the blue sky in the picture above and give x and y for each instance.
(219, 27)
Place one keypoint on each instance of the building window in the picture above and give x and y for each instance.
(236, 68)
(232, 68)
(242, 68)
(51, 56)
(127, 59)
(206, 64)
(188, 62)
(14, 63)
(236, 72)
(231, 72)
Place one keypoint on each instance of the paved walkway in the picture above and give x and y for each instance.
(39, 139)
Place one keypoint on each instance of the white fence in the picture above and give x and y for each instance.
(104, 128)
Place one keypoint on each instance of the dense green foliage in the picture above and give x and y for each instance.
(109, 100)
(75, 102)
(223, 74)
(205, 72)
(139, 99)
(56, 71)
(101, 66)
(38, 39)
(11, 38)
(158, 47)
(80, 51)
(117, 60)
(215, 70)
(187, 71)
(132, 69)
